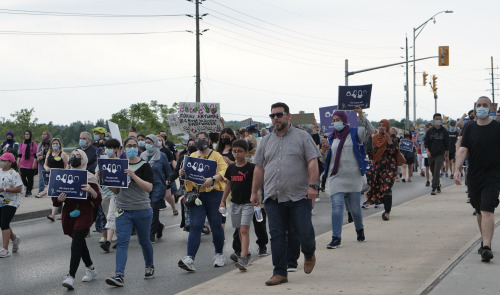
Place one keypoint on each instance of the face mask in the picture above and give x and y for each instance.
(55, 147)
(422, 129)
(201, 145)
(482, 113)
(82, 143)
(471, 117)
(338, 125)
(96, 137)
(191, 149)
(149, 147)
(109, 152)
(75, 213)
(3, 164)
(75, 162)
(407, 136)
(141, 143)
(132, 152)
(225, 140)
(164, 137)
(437, 122)
(159, 144)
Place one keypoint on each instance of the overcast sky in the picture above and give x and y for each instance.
(255, 53)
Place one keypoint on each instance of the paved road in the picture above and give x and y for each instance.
(43, 258)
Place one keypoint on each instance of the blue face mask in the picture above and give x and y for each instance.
(132, 152)
(141, 143)
(482, 113)
(96, 137)
(338, 125)
(109, 152)
(55, 147)
(149, 147)
(82, 143)
(422, 129)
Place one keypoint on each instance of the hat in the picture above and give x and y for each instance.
(8, 157)
(101, 130)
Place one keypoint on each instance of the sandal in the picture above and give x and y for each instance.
(51, 218)
(176, 212)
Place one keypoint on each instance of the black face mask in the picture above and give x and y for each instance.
(202, 145)
(225, 141)
(471, 117)
(407, 136)
(165, 138)
(191, 149)
(75, 162)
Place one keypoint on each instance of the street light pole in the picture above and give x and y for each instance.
(415, 35)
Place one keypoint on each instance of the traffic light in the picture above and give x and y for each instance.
(434, 88)
(425, 78)
(444, 55)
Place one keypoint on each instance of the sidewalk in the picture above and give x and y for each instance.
(402, 256)
(32, 207)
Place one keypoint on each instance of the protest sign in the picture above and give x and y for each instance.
(199, 116)
(67, 181)
(114, 130)
(175, 125)
(112, 172)
(326, 114)
(351, 97)
(246, 122)
(406, 145)
(303, 119)
(197, 169)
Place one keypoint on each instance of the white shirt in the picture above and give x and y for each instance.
(10, 179)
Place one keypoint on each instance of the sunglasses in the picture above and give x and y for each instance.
(279, 115)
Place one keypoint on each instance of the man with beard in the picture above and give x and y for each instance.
(286, 161)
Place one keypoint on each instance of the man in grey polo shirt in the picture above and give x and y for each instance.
(286, 161)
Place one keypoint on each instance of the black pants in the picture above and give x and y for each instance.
(27, 176)
(260, 232)
(387, 200)
(155, 223)
(79, 251)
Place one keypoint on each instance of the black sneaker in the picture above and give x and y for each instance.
(263, 251)
(480, 250)
(159, 233)
(115, 246)
(116, 281)
(361, 235)
(486, 254)
(403, 180)
(105, 246)
(334, 243)
(433, 192)
(234, 257)
(150, 272)
(205, 230)
(427, 183)
(153, 239)
(439, 189)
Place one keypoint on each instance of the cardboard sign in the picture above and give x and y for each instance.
(406, 145)
(197, 169)
(114, 130)
(351, 97)
(246, 122)
(303, 119)
(175, 125)
(326, 114)
(67, 181)
(199, 116)
(112, 172)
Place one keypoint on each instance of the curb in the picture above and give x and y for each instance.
(31, 215)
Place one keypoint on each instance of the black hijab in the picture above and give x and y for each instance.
(28, 146)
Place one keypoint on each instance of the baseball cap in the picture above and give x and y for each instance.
(8, 157)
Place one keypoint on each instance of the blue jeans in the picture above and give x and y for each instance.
(352, 202)
(282, 217)
(209, 208)
(41, 183)
(141, 220)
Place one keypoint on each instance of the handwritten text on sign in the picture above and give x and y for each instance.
(199, 116)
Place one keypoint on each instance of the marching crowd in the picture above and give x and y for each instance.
(270, 178)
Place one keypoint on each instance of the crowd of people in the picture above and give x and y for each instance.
(270, 178)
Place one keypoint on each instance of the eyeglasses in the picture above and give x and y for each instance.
(131, 146)
(279, 115)
(238, 151)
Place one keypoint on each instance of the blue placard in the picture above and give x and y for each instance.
(67, 181)
(406, 145)
(112, 172)
(351, 97)
(197, 169)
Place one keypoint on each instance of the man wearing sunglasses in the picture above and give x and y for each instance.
(286, 162)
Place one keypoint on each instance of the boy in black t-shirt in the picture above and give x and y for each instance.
(239, 177)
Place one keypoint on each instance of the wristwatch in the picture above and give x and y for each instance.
(314, 186)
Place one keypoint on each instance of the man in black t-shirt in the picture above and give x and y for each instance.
(453, 135)
(481, 143)
(437, 145)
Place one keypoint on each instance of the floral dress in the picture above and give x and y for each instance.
(381, 176)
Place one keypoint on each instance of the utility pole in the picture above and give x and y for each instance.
(407, 102)
(492, 82)
(198, 80)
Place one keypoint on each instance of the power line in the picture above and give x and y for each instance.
(82, 34)
(94, 85)
(78, 14)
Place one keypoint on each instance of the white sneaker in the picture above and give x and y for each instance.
(187, 263)
(15, 244)
(4, 253)
(318, 199)
(68, 283)
(313, 212)
(219, 260)
(102, 240)
(90, 274)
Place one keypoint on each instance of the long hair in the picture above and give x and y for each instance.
(220, 145)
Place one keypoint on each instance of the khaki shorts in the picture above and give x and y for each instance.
(241, 214)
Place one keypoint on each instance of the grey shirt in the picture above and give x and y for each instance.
(134, 197)
(284, 159)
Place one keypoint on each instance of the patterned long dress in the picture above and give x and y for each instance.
(381, 177)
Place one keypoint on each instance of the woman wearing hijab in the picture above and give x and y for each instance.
(27, 161)
(77, 218)
(161, 170)
(345, 166)
(10, 145)
(384, 172)
(42, 149)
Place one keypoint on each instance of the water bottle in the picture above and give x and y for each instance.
(258, 213)
(223, 211)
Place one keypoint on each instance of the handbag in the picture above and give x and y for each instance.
(400, 159)
(190, 198)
